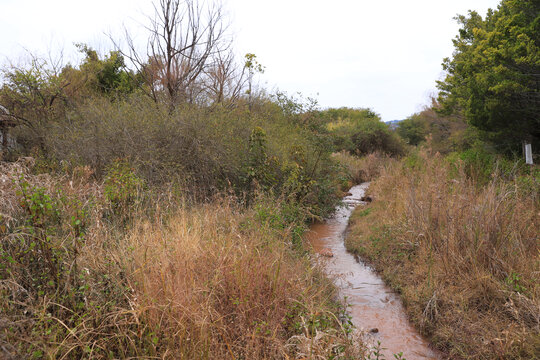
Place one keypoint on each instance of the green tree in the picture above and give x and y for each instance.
(412, 129)
(35, 95)
(253, 67)
(361, 131)
(108, 75)
(494, 74)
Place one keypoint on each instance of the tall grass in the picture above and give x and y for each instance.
(81, 277)
(465, 256)
(218, 284)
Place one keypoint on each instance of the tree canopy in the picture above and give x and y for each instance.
(361, 131)
(493, 77)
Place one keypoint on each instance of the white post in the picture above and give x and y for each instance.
(528, 154)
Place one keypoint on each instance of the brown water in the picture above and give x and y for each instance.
(372, 304)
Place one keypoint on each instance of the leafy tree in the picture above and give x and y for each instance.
(494, 74)
(41, 92)
(445, 133)
(108, 75)
(361, 131)
(412, 130)
(253, 67)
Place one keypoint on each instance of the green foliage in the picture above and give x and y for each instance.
(478, 164)
(40, 249)
(364, 212)
(482, 164)
(260, 169)
(39, 254)
(122, 185)
(252, 64)
(412, 130)
(52, 296)
(40, 94)
(493, 74)
(361, 131)
(528, 183)
(514, 282)
(108, 75)
(440, 132)
(37, 203)
(96, 112)
(413, 161)
(35, 95)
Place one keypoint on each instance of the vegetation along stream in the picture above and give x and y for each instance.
(374, 307)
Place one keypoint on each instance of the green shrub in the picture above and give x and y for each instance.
(412, 130)
(361, 131)
(122, 185)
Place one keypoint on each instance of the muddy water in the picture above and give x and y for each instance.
(373, 306)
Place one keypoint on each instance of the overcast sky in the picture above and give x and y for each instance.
(382, 54)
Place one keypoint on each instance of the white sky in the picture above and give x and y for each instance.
(382, 54)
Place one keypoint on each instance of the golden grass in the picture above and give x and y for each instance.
(465, 259)
(217, 285)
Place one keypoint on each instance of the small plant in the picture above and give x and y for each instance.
(122, 185)
(376, 352)
(364, 212)
(514, 282)
(37, 203)
(39, 248)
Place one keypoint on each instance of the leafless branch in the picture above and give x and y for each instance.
(185, 36)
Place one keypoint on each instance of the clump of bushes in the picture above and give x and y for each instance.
(361, 169)
(199, 149)
(443, 134)
(361, 132)
(53, 302)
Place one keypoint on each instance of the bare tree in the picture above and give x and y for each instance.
(225, 80)
(185, 37)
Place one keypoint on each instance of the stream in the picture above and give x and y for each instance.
(374, 307)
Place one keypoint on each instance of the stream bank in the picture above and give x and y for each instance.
(373, 306)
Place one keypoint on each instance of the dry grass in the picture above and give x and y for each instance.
(219, 285)
(362, 169)
(465, 258)
(213, 281)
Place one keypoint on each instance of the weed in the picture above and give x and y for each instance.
(122, 185)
